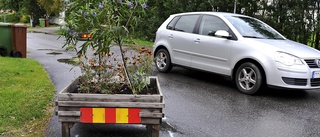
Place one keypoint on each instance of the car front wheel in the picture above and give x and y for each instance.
(248, 78)
(163, 61)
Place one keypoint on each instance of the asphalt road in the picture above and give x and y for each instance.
(198, 104)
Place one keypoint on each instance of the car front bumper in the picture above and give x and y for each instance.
(303, 78)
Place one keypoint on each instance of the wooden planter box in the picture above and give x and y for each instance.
(110, 109)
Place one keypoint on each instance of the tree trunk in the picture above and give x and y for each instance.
(316, 45)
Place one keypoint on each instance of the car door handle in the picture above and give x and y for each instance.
(197, 40)
(170, 36)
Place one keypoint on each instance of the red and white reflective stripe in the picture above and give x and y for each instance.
(110, 115)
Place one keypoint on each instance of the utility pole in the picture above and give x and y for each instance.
(235, 6)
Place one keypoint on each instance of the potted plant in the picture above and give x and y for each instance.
(115, 87)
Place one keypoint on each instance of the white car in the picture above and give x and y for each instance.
(243, 48)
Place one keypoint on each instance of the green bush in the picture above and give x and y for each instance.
(11, 17)
(24, 19)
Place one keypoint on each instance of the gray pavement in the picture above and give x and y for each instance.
(39, 47)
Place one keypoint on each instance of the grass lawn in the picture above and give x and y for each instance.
(26, 98)
(143, 42)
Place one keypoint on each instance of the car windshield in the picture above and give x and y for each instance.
(253, 28)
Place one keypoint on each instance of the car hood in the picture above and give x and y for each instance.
(288, 46)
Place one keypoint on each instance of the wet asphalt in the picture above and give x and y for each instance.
(198, 104)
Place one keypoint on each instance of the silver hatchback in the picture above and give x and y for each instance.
(243, 48)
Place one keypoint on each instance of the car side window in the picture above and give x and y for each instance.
(172, 23)
(186, 23)
(210, 24)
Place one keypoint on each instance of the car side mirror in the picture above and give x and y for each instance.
(223, 34)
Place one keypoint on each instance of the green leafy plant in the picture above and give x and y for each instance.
(109, 22)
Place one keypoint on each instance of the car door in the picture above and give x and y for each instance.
(180, 39)
(211, 53)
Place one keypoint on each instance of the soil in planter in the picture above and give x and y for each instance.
(148, 91)
(126, 90)
(98, 88)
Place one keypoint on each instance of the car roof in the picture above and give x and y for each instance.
(210, 13)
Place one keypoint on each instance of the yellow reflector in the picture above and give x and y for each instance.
(122, 115)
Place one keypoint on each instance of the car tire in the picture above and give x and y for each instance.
(3, 52)
(16, 54)
(249, 78)
(163, 61)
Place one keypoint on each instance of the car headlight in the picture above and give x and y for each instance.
(287, 59)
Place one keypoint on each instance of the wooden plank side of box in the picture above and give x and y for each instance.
(144, 110)
(69, 119)
(152, 121)
(110, 104)
(144, 121)
(69, 113)
(108, 97)
(60, 108)
(151, 115)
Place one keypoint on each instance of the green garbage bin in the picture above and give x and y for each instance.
(42, 22)
(5, 39)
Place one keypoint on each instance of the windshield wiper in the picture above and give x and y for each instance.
(252, 37)
(277, 38)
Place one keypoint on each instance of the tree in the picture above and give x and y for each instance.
(32, 8)
(316, 10)
(248, 7)
(11, 4)
(159, 10)
(222, 5)
(51, 6)
(23, 7)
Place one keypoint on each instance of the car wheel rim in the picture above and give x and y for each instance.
(247, 78)
(161, 60)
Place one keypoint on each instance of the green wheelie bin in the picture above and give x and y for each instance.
(42, 22)
(5, 39)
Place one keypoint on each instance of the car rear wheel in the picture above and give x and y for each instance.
(163, 61)
(248, 78)
(3, 52)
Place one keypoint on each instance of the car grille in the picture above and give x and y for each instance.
(315, 82)
(295, 81)
(311, 63)
(301, 82)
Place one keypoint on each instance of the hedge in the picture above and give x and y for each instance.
(11, 17)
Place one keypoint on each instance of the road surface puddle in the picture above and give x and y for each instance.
(165, 126)
(72, 61)
(54, 53)
(35, 31)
